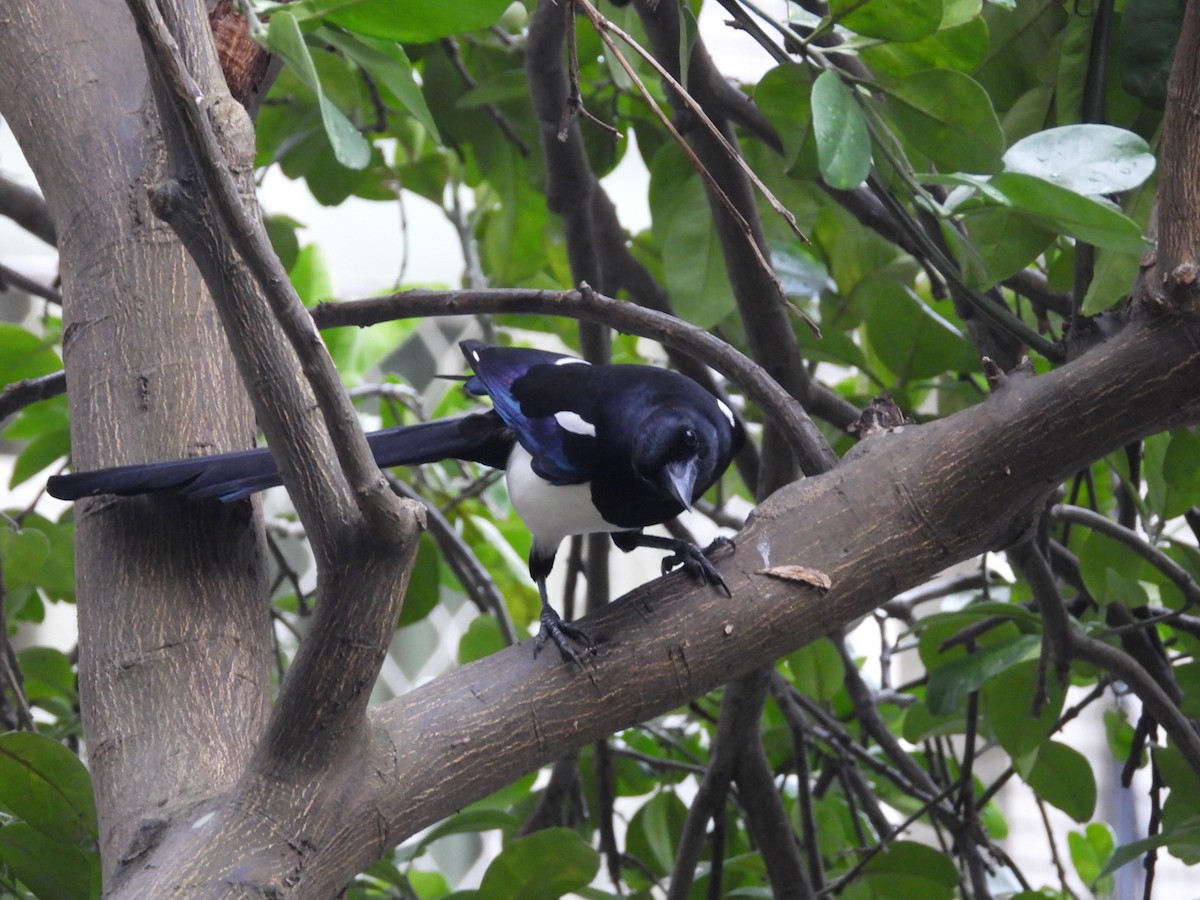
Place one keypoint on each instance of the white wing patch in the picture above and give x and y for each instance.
(728, 412)
(574, 423)
(570, 360)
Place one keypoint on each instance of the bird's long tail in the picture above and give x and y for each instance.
(482, 437)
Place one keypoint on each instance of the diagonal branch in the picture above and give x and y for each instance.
(899, 509)
(364, 536)
(367, 487)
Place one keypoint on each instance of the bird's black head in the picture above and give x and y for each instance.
(682, 451)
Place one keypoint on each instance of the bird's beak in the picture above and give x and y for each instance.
(679, 478)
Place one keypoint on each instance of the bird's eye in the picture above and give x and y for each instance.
(690, 440)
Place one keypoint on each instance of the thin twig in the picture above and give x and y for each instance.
(20, 394)
(1178, 575)
(11, 277)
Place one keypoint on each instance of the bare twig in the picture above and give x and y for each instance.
(28, 209)
(1123, 666)
(1178, 575)
(20, 394)
(11, 277)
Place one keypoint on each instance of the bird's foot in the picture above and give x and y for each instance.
(696, 562)
(562, 634)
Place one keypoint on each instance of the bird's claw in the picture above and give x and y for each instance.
(562, 634)
(696, 564)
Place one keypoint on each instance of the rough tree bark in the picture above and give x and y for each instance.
(170, 594)
(198, 795)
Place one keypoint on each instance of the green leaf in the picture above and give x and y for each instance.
(1064, 779)
(843, 145)
(1008, 707)
(907, 335)
(1149, 32)
(1091, 850)
(1112, 280)
(800, 270)
(692, 258)
(961, 47)
(57, 575)
(511, 84)
(482, 638)
(1175, 485)
(908, 869)
(388, 64)
(1007, 241)
(46, 785)
(920, 723)
(310, 276)
(784, 95)
(40, 453)
(543, 866)
(285, 38)
(1110, 570)
(951, 682)
(515, 235)
(891, 20)
(422, 594)
(406, 21)
(24, 355)
(654, 829)
(1021, 44)
(23, 553)
(1078, 216)
(1179, 810)
(282, 232)
(1086, 159)
(48, 675)
(52, 870)
(947, 116)
(1188, 677)
(471, 821)
(1183, 834)
(817, 669)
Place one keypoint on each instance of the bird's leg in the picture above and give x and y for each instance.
(684, 554)
(560, 632)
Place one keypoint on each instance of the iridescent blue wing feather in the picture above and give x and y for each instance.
(545, 398)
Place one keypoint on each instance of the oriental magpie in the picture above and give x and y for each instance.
(585, 449)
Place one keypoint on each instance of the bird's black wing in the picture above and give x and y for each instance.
(545, 398)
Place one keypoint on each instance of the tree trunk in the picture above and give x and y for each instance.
(174, 626)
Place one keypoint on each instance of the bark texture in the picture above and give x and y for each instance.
(174, 627)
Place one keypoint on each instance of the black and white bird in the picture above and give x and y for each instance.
(585, 449)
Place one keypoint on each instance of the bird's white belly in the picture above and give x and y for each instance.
(551, 512)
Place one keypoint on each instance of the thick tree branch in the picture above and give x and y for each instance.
(900, 508)
(364, 536)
